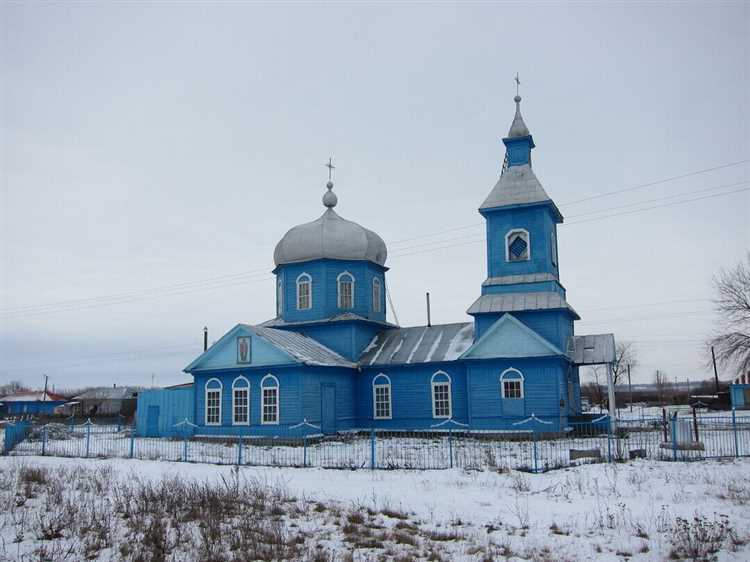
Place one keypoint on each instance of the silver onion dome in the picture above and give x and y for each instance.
(330, 237)
(518, 128)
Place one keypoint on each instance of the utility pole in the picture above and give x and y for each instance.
(716, 373)
(630, 389)
(44, 396)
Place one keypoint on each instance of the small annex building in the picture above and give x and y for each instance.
(332, 358)
(31, 403)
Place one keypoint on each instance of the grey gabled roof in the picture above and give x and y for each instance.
(419, 344)
(108, 393)
(594, 349)
(516, 279)
(303, 348)
(518, 185)
(519, 302)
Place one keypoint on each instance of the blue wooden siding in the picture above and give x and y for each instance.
(262, 353)
(540, 223)
(324, 274)
(174, 405)
(543, 380)
(556, 326)
(32, 407)
(347, 338)
(411, 395)
(740, 395)
(299, 398)
(536, 287)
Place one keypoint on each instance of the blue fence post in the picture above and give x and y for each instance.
(734, 429)
(450, 445)
(88, 438)
(304, 450)
(373, 461)
(673, 424)
(44, 440)
(185, 447)
(536, 454)
(132, 443)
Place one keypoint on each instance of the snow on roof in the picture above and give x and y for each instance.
(419, 344)
(108, 393)
(519, 302)
(518, 185)
(33, 396)
(302, 348)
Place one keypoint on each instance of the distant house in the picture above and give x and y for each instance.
(34, 402)
(106, 401)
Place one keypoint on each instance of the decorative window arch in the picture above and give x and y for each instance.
(304, 292)
(381, 398)
(442, 404)
(345, 284)
(517, 245)
(279, 297)
(269, 400)
(241, 401)
(511, 384)
(212, 404)
(377, 292)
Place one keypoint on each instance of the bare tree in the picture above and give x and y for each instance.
(660, 381)
(732, 340)
(625, 354)
(11, 388)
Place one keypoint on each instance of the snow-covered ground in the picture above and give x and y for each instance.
(594, 512)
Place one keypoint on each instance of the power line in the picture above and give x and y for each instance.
(657, 182)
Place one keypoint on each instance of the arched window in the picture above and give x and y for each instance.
(511, 384)
(279, 297)
(269, 404)
(517, 245)
(304, 292)
(381, 397)
(376, 294)
(442, 406)
(346, 290)
(241, 401)
(213, 402)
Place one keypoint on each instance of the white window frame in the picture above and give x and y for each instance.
(377, 287)
(304, 278)
(206, 391)
(435, 384)
(236, 388)
(338, 289)
(263, 389)
(279, 297)
(510, 233)
(375, 386)
(520, 378)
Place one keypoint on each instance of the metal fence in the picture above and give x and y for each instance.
(532, 449)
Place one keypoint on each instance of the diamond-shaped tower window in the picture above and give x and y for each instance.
(518, 245)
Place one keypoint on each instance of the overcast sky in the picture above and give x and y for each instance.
(153, 155)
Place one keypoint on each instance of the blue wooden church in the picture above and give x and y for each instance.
(331, 358)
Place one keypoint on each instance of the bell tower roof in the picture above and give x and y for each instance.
(518, 128)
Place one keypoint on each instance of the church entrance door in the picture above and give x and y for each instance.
(328, 407)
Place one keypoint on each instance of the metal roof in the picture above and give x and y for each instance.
(330, 237)
(518, 185)
(301, 347)
(33, 396)
(419, 344)
(515, 279)
(108, 393)
(594, 349)
(519, 302)
(518, 128)
(344, 317)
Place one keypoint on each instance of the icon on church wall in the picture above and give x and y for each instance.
(243, 349)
